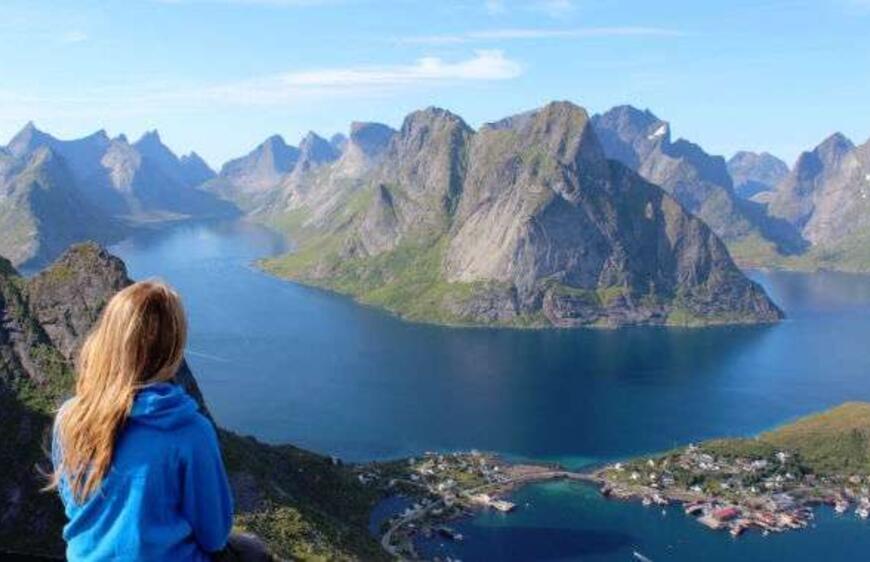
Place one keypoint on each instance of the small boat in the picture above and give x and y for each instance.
(641, 557)
(841, 506)
(863, 512)
(646, 501)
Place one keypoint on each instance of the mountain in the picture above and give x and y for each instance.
(269, 180)
(304, 505)
(699, 181)
(755, 172)
(825, 196)
(41, 210)
(524, 222)
(54, 192)
(255, 173)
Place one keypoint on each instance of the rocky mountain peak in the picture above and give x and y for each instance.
(831, 150)
(67, 296)
(430, 118)
(754, 172)
(195, 169)
(315, 149)
(371, 138)
(149, 140)
(28, 139)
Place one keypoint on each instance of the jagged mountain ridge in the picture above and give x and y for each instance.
(55, 192)
(827, 196)
(522, 222)
(755, 173)
(301, 503)
(699, 181)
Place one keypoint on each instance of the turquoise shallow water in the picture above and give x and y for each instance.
(294, 364)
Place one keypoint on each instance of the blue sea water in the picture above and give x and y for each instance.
(289, 363)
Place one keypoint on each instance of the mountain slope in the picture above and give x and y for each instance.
(301, 503)
(41, 211)
(827, 197)
(699, 181)
(755, 173)
(55, 192)
(522, 223)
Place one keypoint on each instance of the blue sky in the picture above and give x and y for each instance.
(218, 76)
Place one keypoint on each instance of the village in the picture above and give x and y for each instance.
(444, 487)
(772, 492)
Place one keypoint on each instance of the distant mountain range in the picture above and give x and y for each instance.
(55, 192)
(524, 222)
(378, 191)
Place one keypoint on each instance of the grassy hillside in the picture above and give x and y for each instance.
(834, 442)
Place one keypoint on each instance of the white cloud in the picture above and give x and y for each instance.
(485, 65)
(512, 34)
(74, 36)
(282, 89)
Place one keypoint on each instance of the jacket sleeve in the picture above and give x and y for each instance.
(206, 499)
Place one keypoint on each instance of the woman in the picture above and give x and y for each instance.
(137, 466)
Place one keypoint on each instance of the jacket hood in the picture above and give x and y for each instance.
(163, 405)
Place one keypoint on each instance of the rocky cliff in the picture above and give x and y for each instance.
(301, 503)
(525, 222)
(699, 181)
(827, 196)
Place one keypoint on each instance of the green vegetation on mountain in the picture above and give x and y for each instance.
(304, 505)
(833, 442)
(523, 223)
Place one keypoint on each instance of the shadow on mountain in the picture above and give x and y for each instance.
(786, 237)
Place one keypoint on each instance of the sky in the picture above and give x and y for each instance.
(219, 76)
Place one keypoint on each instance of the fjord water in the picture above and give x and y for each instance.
(289, 363)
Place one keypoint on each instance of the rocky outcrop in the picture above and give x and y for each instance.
(525, 222)
(300, 501)
(755, 172)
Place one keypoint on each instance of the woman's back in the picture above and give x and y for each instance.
(165, 497)
(138, 468)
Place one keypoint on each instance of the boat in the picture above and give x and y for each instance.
(646, 501)
(641, 557)
(863, 512)
(841, 506)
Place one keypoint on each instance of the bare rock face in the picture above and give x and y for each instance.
(754, 172)
(827, 197)
(699, 181)
(523, 222)
(796, 196)
(67, 298)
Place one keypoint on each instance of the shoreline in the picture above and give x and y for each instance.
(446, 487)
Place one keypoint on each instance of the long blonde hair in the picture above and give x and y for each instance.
(138, 340)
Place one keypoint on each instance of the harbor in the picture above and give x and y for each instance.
(724, 490)
(445, 487)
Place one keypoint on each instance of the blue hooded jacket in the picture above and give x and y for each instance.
(165, 496)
